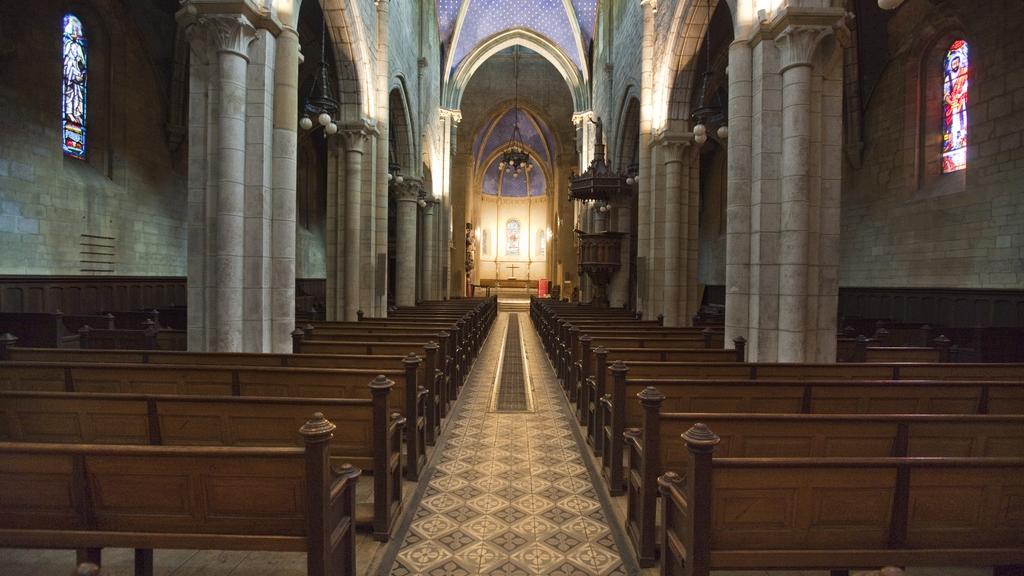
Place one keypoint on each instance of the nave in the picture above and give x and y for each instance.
(502, 493)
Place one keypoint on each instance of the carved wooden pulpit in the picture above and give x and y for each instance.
(599, 258)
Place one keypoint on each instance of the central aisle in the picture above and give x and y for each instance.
(509, 493)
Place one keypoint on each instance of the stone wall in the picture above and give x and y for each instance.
(131, 187)
(902, 223)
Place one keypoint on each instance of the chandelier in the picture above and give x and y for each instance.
(708, 111)
(321, 103)
(514, 159)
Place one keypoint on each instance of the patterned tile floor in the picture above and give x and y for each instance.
(509, 493)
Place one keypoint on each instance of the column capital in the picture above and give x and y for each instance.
(580, 119)
(408, 190)
(450, 115)
(230, 33)
(673, 142)
(257, 12)
(651, 4)
(799, 31)
(354, 136)
(797, 44)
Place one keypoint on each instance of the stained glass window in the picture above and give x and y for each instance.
(954, 108)
(512, 238)
(486, 242)
(541, 243)
(75, 73)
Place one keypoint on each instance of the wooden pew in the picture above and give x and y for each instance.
(838, 513)
(652, 449)
(39, 329)
(89, 496)
(229, 381)
(593, 375)
(369, 435)
(961, 397)
(356, 361)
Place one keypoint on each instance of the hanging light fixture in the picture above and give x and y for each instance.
(515, 160)
(707, 111)
(321, 103)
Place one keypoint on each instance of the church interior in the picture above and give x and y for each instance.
(512, 287)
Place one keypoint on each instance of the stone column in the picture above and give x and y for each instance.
(406, 194)
(645, 184)
(355, 146)
(797, 45)
(738, 184)
(430, 249)
(656, 247)
(230, 36)
(257, 305)
(378, 255)
(450, 120)
(618, 289)
(199, 222)
(675, 229)
(285, 162)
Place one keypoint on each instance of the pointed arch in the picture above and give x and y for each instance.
(352, 53)
(573, 76)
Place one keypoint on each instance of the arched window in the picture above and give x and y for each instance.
(74, 86)
(512, 230)
(954, 107)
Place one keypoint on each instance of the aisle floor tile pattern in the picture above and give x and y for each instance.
(510, 493)
(511, 395)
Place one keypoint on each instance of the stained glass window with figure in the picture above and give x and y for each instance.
(512, 238)
(74, 87)
(954, 108)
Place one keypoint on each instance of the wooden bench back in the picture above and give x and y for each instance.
(847, 436)
(875, 371)
(631, 355)
(94, 496)
(747, 513)
(38, 329)
(184, 421)
(390, 348)
(193, 380)
(830, 397)
(341, 361)
(901, 354)
(643, 341)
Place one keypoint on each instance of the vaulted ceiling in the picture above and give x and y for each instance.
(465, 24)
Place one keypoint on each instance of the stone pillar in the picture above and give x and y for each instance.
(258, 243)
(430, 250)
(796, 46)
(378, 254)
(229, 37)
(618, 289)
(285, 162)
(355, 146)
(797, 292)
(230, 174)
(645, 184)
(791, 213)
(656, 247)
(406, 194)
(676, 217)
(199, 222)
(450, 120)
(691, 173)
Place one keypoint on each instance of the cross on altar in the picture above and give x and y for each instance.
(513, 268)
